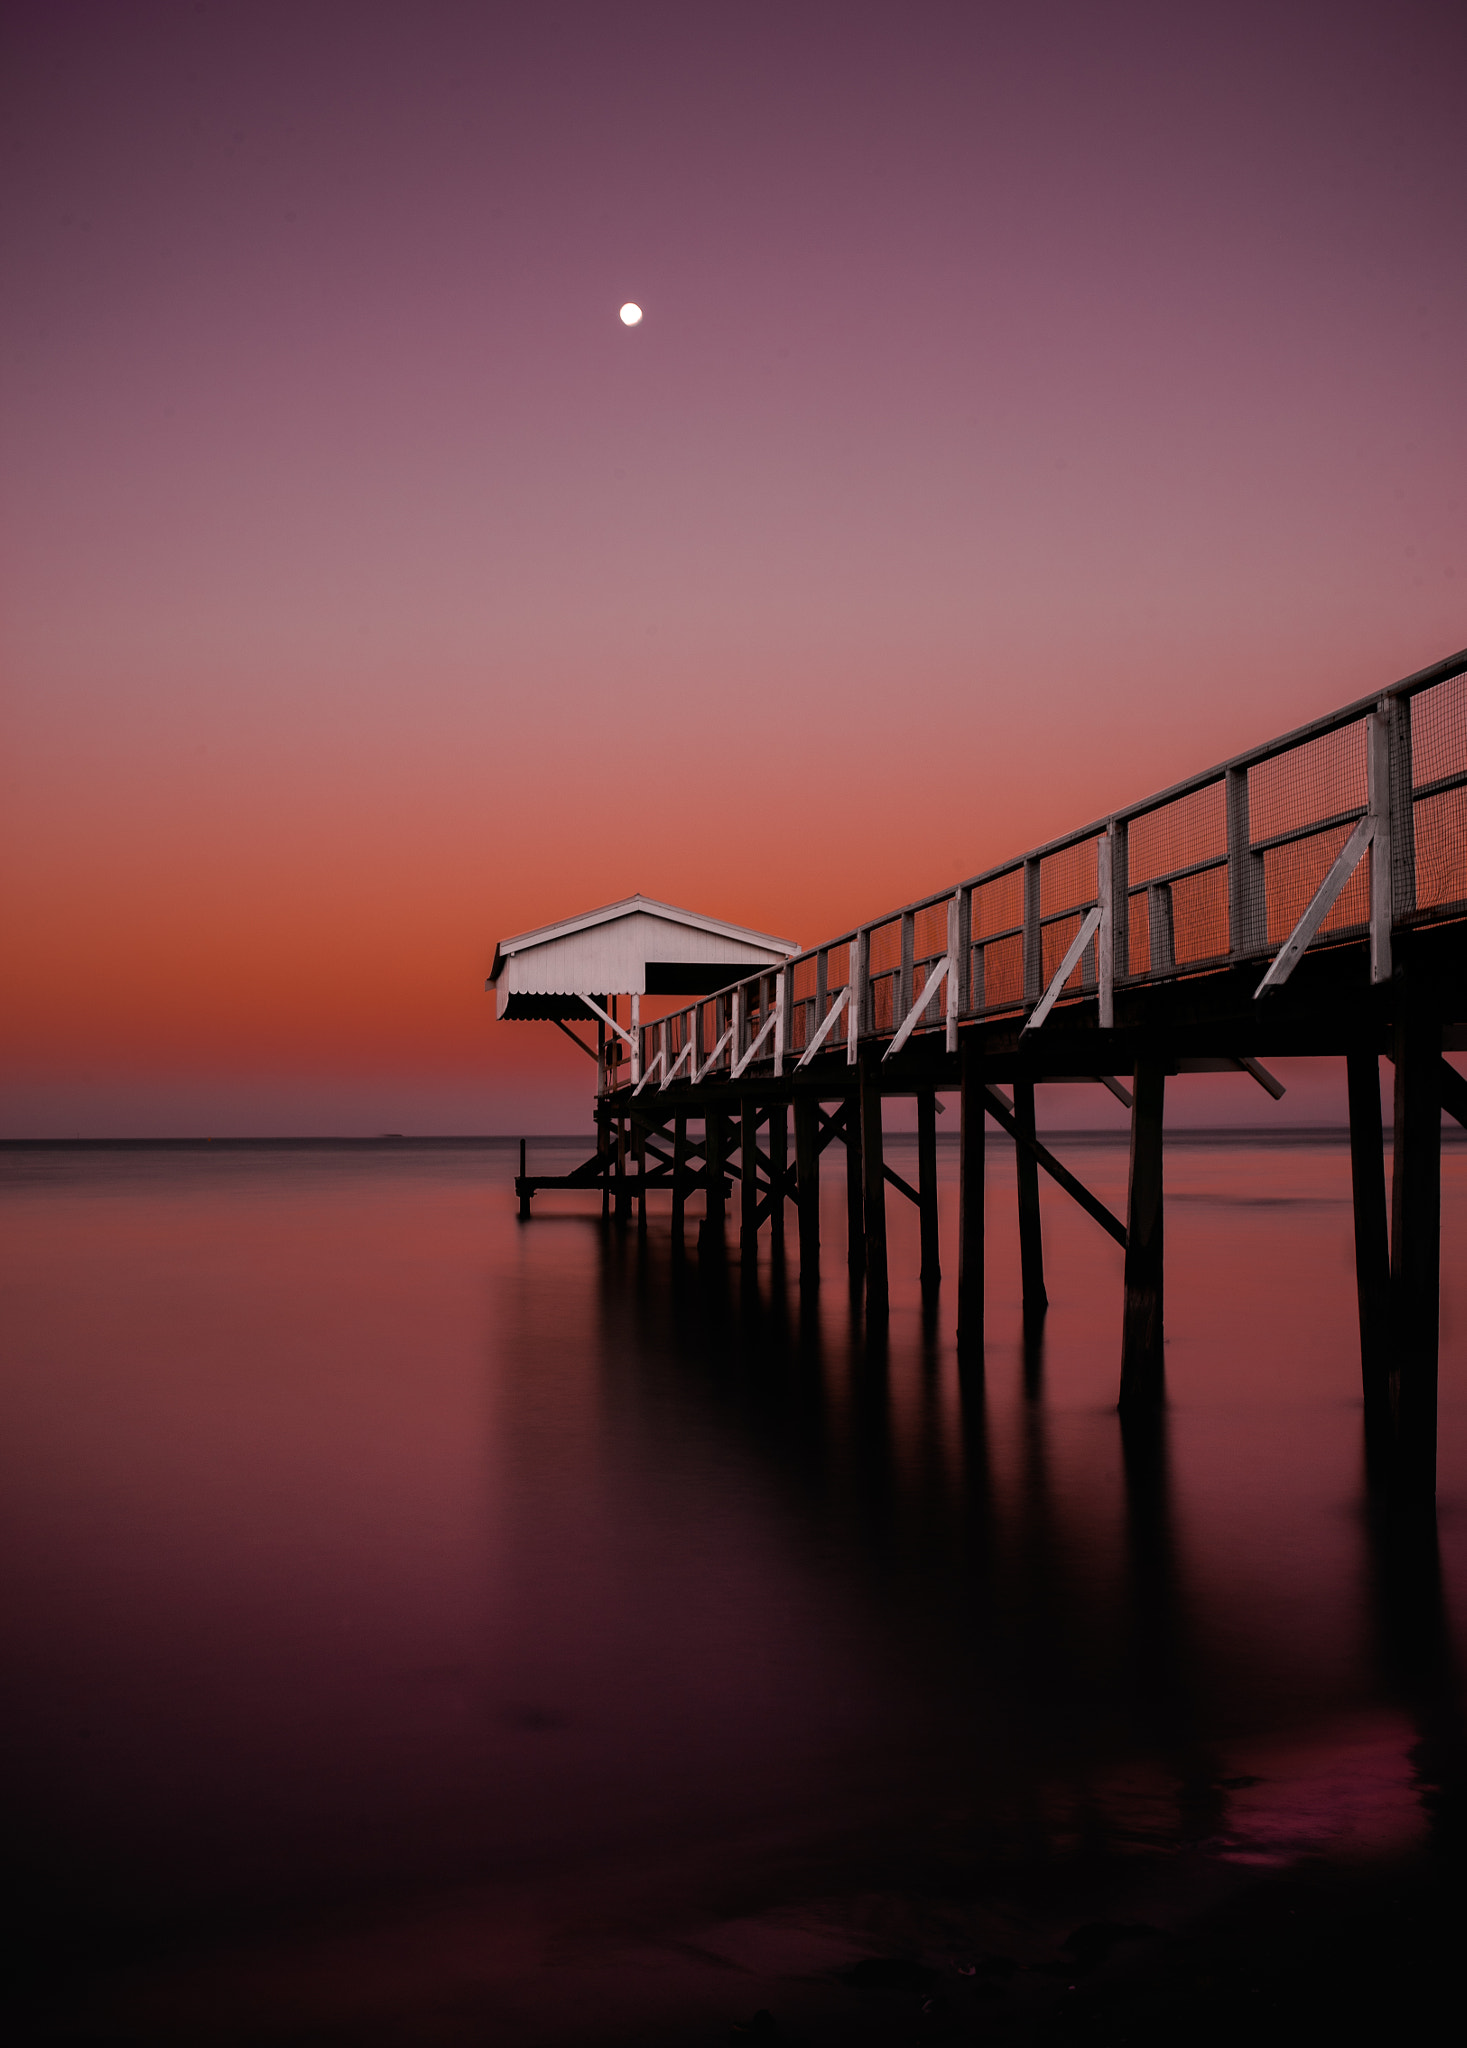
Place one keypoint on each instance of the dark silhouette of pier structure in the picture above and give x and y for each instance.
(1307, 897)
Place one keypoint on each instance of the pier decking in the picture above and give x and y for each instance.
(1307, 897)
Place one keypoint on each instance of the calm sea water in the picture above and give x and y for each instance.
(424, 1627)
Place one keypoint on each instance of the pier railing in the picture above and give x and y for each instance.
(1353, 825)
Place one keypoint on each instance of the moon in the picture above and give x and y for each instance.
(631, 314)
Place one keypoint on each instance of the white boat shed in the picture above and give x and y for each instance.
(577, 968)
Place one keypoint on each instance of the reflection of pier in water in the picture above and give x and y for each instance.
(1307, 897)
(1061, 1622)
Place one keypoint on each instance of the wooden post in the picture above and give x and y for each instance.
(623, 1192)
(713, 1174)
(927, 1184)
(807, 1177)
(523, 1191)
(749, 1183)
(1031, 1235)
(855, 1197)
(1143, 1374)
(873, 1173)
(1033, 933)
(971, 1128)
(603, 1146)
(777, 1125)
(640, 1140)
(679, 1173)
(1416, 1196)
(1372, 1250)
(1247, 915)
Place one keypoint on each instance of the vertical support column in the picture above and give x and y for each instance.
(1378, 809)
(1403, 810)
(1105, 952)
(603, 1147)
(1416, 1197)
(1120, 895)
(1031, 1236)
(1033, 934)
(807, 1180)
(927, 1184)
(906, 994)
(822, 989)
(639, 1130)
(713, 1135)
(623, 1192)
(636, 1038)
(679, 1176)
(860, 976)
(1247, 909)
(855, 1188)
(873, 1174)
(1143, 1370)
(521, 1189)
(749, 1181)
(971, 1130)
(957, 963)
(784, 999)
(1372, 1248)
(1160, 932)
(777, 1127)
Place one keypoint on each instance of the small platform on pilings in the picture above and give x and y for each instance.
(1308, 897)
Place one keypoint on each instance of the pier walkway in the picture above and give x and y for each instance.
(1307, 897)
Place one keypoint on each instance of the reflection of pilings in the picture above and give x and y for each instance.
(927, 1186)
(777, 1135)
(855, 1192)
(1414, 1648)
(807, 1181)
(873, 1165)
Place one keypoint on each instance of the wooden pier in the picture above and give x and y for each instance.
(1308, 897)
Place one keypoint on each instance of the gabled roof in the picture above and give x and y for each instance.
(632, 906)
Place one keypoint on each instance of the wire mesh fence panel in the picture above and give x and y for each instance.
(886, 947)
(1067, 878)
(999, 973)
(1054, 939)
(804, 979)
(1441, 851)
(1138, 933)
(929, 930)
(998, 905)
(934, 1012)
(1191, 828)
(1293, 872)
(1305, 785)
(1200, 917)
(1439, 732)
(884, 1001)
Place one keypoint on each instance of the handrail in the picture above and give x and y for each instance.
(1104, 957)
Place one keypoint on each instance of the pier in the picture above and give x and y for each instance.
(1308, 897)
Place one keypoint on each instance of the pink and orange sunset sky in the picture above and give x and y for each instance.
(1032, 406)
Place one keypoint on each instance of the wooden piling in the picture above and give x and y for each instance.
(1416, 1239)
(749, 1183)
(777, 1128)
(623, 1192)
(971, 1132)
(873, 1172)
(524, 1192)
(1372, 1248)
(713, 1134)
(603, 1146)
(640, 1141)
(855, 1189)
(807, 1181)
(1031, 1235)
(927, 1185)
(1143, 1374)
(679, 1179)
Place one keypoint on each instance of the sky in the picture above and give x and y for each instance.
(1032, 406)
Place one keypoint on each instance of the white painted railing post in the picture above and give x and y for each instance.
(860, 973)
(736, 1042)
(783, 994)
(1247, 909)
(1105, 958)
(954, 967)
(1033, 933)
(636, 1038)
(1403, 809)
(1378, 805)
